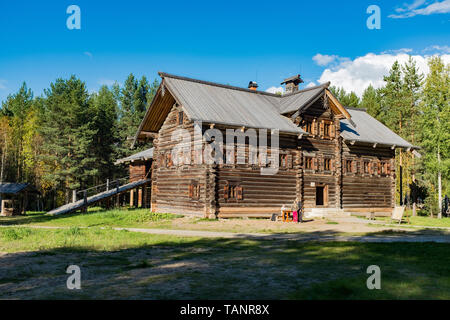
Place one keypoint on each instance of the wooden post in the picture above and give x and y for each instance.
(139, 190)
(25, 203)
(107, 184)
(85, 201)
(74, 195)
(118, 194)
(131, 198)
(144, 196)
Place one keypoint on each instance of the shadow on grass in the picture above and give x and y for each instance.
(191, 268)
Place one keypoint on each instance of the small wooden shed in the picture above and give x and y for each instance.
(14, 197)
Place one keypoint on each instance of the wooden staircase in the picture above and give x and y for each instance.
(86, 202)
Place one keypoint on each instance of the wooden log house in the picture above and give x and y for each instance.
(332, 158)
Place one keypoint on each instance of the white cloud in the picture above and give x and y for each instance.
(2, 84)
(275, 90)
(397, 51)
(356, 75)
(324, 59)
(107, 82)
(311, 84)
(421, 7)
(437, 49)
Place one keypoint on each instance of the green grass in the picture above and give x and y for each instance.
(95, 217)
(127, 265)
(422, 221)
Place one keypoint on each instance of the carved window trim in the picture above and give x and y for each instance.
(194, 190)
(233, 191)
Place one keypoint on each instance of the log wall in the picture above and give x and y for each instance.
(361, 190)
(319, 148)
(170, 182)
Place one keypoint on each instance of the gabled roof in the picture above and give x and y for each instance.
(370, 130)
(297, 100)
(213, 103)
(223, 104)
(14, 188)
(143, 155)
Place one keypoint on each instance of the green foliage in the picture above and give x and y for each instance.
(347, 99)
(69, 139)
(434, 122)
(371, 101)
(134, 99)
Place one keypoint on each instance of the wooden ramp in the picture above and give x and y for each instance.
(70, 207)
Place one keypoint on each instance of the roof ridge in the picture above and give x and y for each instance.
(356, 108)
(323, 85)
(226, 86)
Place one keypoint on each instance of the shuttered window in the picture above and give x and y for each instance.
(180, 117)
(349, 166)
(327, 164)
(194, 190)
(366, 167)
(233, 191)
(308, 163)
(285, 161)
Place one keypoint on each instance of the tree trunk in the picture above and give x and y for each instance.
(439, 184)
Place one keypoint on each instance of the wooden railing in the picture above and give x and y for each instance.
(109, 185)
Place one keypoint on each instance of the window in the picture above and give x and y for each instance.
(285, 161)
(233, 191)
(349, 165)
(327, 129)
(327, 164)
(308, 163)
(308, 126)
(168, 162)
(194, 190)
(180, 117)
(366, 167)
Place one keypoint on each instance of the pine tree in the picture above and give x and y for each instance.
(68, 134)
(135, 98)
(104, 108)
(347, 99)
(371, 101)
(17, 106)
(434, 122)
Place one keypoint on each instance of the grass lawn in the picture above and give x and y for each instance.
(422, 221)
(143, 218)
(95, 217)
(126, 265)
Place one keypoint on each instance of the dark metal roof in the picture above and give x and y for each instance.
(13, 188)
(300, 99)
(143, 155)
(223, 104)
(370, 130)
(212, 103)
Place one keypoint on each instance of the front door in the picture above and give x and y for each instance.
(319, 196)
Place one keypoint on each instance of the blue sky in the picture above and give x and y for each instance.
(229, 42)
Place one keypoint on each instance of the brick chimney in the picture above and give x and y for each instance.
(252, 85)
(292, 83)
